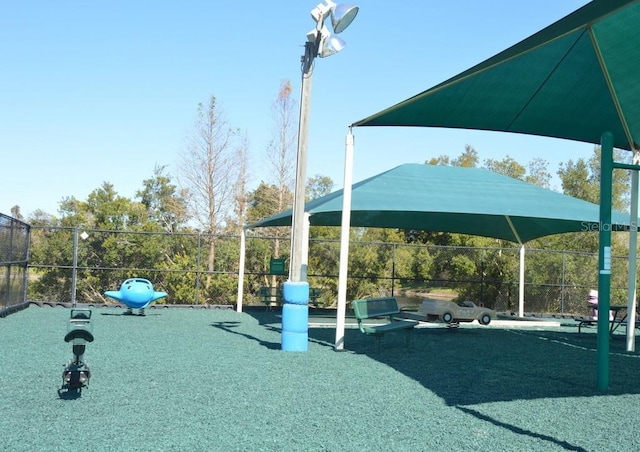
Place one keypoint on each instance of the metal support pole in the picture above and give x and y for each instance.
(74, 275)
(198, 269)
(393, 269)
(604, 260)
(243, 245)
(521, 284)
(633, 257)
(25, 277)
(344, 242)
(564, 272)
(7, 289)
(296, 272)
(304, 262)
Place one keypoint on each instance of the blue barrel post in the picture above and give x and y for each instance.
(295, 316)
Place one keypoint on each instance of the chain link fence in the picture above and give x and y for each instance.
(77, 266)
(555, 281)
(14, 259)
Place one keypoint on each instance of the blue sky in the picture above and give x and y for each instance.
(94, 91)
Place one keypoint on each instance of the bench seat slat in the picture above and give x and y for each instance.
(395, 325)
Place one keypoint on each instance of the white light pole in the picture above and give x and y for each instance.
(320, 43)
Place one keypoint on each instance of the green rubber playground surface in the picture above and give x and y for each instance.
(216, 380)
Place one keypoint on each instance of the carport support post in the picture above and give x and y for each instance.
(243, 245)
(604, 259)
(343, 269)
(633, 256)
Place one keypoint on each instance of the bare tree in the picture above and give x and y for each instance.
(281, 149)
(240, 196)
(281, 152)
(209, 170)
(15, 212)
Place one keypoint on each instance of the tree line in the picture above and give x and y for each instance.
(208, 197)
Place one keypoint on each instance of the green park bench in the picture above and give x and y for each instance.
(272, 296)
(386, 308)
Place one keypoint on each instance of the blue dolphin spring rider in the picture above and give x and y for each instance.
(136, 293)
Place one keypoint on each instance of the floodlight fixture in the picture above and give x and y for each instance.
(326, 43)
(331, 44)
(342, 15)
(320, 43)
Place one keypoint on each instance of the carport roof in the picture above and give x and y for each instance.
(454, 199)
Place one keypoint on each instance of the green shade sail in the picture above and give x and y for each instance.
(574, 79)
(453, 199)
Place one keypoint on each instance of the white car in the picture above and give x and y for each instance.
(449, 312)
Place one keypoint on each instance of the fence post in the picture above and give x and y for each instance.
(562, 291)
(482, 258)
(25, 277)
(74, 274)
(393, 268)
(10, 258)
(198, 254)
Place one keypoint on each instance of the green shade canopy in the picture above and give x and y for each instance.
(452, 199)
(575, 79)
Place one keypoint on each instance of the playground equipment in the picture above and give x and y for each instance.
(450, 312)
(76, 374)
(592, 301)
(136, 293)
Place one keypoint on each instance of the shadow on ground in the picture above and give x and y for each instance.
(232, 327)
(473, 365)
